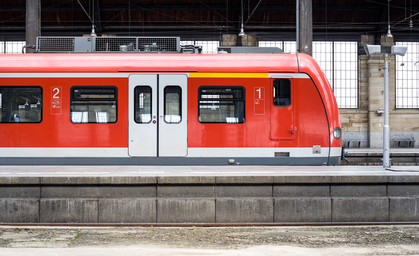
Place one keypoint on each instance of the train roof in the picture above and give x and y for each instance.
(157, 62)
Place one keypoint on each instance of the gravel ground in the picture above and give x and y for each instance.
(326, 240)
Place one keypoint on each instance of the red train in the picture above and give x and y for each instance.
(174, 109)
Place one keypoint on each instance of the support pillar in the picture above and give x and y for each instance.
(376, 100)
(234, 40)
(378, 70)
(305, 27)
(249, 40)
(229, 40)
(33, 22)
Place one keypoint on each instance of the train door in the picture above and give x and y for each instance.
(282, 112)
(157, 115)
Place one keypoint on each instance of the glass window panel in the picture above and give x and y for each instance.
(187, 42)
(221, 104)
(14, 46)
(142, 104)
(407, 80)
(20, 104)
(290, 47)
(323, 54)
(345, 73)
(278, 44)
(207, 46)
(93, 104)
(172, 104)
(339, 62)
(282, 92)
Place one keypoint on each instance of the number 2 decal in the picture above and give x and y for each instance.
(56, 92)
(56, 101)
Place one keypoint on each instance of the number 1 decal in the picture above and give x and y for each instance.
(259, 91)
(259, 101)
(56, 101)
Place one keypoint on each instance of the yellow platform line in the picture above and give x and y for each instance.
(230, 75)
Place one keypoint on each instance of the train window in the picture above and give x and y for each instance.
(93, 104)
(172, 104)
(221, 105)
(282, 92)
(20, 104)
(142, 104)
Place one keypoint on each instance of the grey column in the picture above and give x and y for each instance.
(305, 25)
(33, 22)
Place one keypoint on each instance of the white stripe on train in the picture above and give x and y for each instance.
(192, 152)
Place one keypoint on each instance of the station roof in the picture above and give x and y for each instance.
(209, 19)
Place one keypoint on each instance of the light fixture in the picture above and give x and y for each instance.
(372, 49)
(93, 34)
(242, 34)
(398, 50)
(395, 50)
(389, 30)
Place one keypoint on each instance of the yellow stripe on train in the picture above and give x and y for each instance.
(230, 75)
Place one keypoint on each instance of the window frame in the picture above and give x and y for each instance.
(72, 98)
(136, 103)
(406, 79)
(290, 92)
(42, 103)
(222, 87)
(337, 66)
(167, 87)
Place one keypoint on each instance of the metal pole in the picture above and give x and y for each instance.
(386, 129)
(297, 25)
(33, 22)
(305, 27)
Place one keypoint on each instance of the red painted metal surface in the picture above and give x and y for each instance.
(97, 63)
(309, 66)
(57, 130)
(310, 119)
(309, 124)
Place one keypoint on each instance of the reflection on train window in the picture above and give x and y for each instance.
(172, 104)
(282, 92)
(20, 104)
(142, 104)
(93, 104)
(221, 105)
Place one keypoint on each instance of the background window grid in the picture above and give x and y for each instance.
(207, 46)
(11, 46)
(407, 76)
(339, 62)
(286, 46)
(345, 73)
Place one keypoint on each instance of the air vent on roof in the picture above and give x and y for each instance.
(108, 44)
(248, 49)
(51, 44)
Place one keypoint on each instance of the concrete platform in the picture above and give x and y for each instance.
(373, 156)
(204, 194)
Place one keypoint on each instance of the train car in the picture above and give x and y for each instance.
(167, 109)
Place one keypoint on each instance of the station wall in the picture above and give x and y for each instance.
(363, 127)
